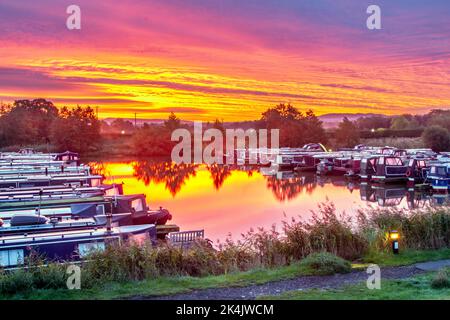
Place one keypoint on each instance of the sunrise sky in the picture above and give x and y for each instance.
(227, 59)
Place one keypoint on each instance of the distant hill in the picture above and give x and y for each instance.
(331, 120)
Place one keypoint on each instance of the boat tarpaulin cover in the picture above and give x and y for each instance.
(84, 209)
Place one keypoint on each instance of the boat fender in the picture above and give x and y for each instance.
(408, 173)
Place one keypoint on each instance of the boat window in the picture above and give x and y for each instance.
(393, 162)
(86, 248)
(137, 205)
(140, 238)
(95, 182)
(411, 162)
(381, 160)
(112, 192)
(421, 164)
(11, 257)
(441, 171)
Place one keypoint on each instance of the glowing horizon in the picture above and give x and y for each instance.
(227, 59)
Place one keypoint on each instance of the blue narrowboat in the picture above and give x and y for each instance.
(68, 245)
(440, 177)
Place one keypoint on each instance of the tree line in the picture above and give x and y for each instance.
(433, 128)
(296, 129)
(39, 123)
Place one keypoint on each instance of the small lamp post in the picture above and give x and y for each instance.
(394, 236)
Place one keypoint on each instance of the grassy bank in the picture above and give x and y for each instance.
(414, 288)
(261, 255)
(180, 284)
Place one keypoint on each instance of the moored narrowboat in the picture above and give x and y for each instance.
(68, 245)
(440, 177)
(389, 169)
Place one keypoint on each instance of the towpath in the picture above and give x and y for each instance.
(300, 283)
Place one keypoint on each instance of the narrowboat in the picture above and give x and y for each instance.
(383, 169)
(88, 207)
(347, 165)
(310, 162)
(417, 172)
(105, 189)
(440, 177)
(33, 224)
(42, 170)
(66, 245)
(49, 180)
(67, 158)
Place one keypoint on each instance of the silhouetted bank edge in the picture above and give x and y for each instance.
(39, 123)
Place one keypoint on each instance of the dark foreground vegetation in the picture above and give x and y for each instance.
(323, 245)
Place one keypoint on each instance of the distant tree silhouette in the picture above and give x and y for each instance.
(347, 134)
(296, 128)
(76, 129)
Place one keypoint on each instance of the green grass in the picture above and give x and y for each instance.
(173, 285)
(415, 288)
(405, 257)
(168, 285)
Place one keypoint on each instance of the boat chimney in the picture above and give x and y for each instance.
(108, 222)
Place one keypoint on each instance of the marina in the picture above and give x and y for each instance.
(224, 199)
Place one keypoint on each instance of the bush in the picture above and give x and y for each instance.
(436, 138)
(16, 281)
(325, 232)
(324, 263)
(51, 276)
(441, 280)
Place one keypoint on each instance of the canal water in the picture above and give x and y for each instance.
(231, 200)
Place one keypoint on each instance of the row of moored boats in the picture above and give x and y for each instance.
(416, 167)
(52, 205)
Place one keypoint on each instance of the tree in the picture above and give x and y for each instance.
(219, 126)
(436, 138)
(295, 128)
(27, 122)
(373, 122)
(119, 125)
(76, 129)
(347, 134)
(172, 123)
(404, 122)
(152, 140)
(440, 118)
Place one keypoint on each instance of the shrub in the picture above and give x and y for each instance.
(51, 276)
(441, 280)
(436, 138)
(16, 281)
(201, 260)
(324, 263)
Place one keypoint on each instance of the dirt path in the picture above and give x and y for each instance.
(278, 287)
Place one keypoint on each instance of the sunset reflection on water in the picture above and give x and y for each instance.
(223, 200)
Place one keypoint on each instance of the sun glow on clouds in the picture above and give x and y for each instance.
(226, 60)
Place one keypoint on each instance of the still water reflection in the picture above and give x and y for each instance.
(225, 199)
